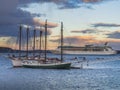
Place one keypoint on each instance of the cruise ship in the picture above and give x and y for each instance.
(86, 50)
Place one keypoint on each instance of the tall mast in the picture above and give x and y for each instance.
(34, 32)
(62, 41)
(40, 43)
(20, 35)
(27, 31)
(45, 38)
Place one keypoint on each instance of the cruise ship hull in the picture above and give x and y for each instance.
(87, 52)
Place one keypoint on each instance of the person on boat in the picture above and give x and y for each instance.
(87, 63)
(57, 59)
(75, 58)
(13, 55)
(84, 58)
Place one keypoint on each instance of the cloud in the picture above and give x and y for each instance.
(49, 31)
(69, 4)
(7, 6)
(72, 4)
(77, 40)
(11, 17)
(105, 25)
(66, 4)
(92, 1)
(42, 23)
(114, 35)
(86, 31)
(56, 36)
(16, 17)
(88, 39)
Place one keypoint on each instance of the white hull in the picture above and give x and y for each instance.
(87, 52)
(16, 62)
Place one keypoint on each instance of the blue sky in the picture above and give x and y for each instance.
(85, 21)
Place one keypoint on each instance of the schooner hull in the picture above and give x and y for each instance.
(49, 66)
(16, 63)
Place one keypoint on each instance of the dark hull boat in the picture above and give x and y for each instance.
(45, 63)
(37, 64)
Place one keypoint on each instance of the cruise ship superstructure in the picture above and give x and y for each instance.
(87, 49)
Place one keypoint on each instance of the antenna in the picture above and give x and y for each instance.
(27, 31)
(20, 35)
(62, 41)
(45, 38)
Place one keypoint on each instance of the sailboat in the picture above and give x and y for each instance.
(16, 60)
(48, 63)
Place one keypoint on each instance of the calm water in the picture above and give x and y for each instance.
(96, 76)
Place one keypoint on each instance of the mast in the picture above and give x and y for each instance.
(34, 32)
(27, 31)
(45, 38)
(40, 43)
(20, 35)
(62, 41)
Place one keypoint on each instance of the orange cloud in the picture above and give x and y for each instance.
(56, 36)
(43, 29)
(42, 23)
(81, 40)
(88, 1)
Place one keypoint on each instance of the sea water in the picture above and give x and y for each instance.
(98, 75)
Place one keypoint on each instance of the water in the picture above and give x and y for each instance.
(97, 76)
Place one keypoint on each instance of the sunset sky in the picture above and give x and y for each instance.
(85, 21)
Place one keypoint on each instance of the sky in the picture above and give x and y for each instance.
(85, 21)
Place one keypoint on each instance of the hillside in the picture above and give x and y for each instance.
(5, 49)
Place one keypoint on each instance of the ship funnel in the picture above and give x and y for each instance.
(106, 43)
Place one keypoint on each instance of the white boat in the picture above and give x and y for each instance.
(17, 61)
(45, 63)
(86, 50)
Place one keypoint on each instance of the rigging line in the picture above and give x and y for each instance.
(45, 39)
(30, 40)
(24, 36)
(62, 41)
(34, 41)
(17, 41)
(42, 46)
(27, 32)
(20, 39)
(40, 38)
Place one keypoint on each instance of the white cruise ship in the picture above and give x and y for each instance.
(86, 50)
